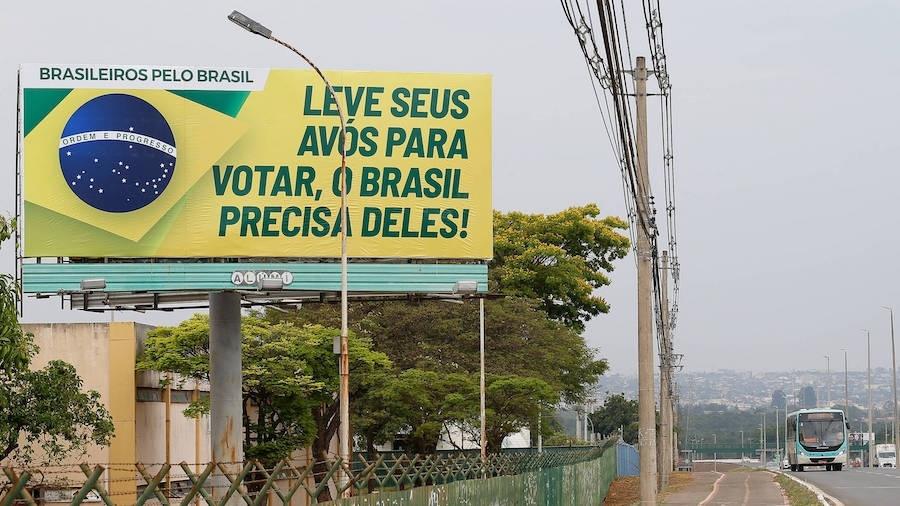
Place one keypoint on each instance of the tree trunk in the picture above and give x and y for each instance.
(11, 447)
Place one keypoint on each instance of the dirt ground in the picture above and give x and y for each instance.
(626, 491)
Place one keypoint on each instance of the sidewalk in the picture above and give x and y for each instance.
(730, 484)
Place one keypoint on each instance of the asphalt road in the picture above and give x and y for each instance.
(857, 486)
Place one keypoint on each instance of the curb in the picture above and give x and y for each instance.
(823, 498)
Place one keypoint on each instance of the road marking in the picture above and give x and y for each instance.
(714, 490)
(746, 490)
(865, 487)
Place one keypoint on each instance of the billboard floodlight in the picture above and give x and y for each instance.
(465, 287)
(250, 25)
(269, 284)
(93, 284)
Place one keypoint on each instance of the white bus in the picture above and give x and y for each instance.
(816, 437)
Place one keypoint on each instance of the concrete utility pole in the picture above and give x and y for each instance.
(846, 389)
(577, 423)
(894, 372)
(827, 382)
(870, 435)
(226, 415)
(664, 448)
(762, 448)
(777, 435)
(646, 399)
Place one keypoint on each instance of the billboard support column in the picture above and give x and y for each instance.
(226, 418)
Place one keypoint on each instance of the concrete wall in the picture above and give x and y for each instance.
(86, 347)
(104, 355)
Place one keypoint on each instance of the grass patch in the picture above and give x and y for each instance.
(797, 494)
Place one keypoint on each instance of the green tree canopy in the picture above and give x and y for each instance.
(559, 259)
(42, 408)
(524, 349)
(617, 413)
(290, 377)
(428, 402)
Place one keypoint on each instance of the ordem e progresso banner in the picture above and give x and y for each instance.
(151, 161)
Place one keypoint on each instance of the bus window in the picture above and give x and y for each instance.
(818, 430)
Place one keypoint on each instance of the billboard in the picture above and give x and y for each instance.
(150, 161)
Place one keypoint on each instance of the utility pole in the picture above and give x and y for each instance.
(762, 446)
(777, 437)
(846, 389)
(870, 435)
(540, 434)
(664, 448)
(827, 382)
(646, 399)
(894, 372)
(742, 446)
(577, 423)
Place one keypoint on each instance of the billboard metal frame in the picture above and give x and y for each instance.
(186, 285)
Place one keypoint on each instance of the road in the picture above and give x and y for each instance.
(859, 486)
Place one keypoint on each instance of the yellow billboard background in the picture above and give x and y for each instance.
(195, 216)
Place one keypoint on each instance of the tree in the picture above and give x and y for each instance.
(522, 344)
(47, 409)
(43, 408)
(513, 402)
(617, 413)
(559, 259)
(290, 378)
(427, 403)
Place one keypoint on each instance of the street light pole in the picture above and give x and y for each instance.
(869, 436)
(894, 372)
(344, 392)
(846, 389)
(777, 437)
(742, 446)
(827, 382)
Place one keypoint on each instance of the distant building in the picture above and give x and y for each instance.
(808, 397)
(779, 400)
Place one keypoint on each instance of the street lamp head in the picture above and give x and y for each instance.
(250, 25)
(888, 308)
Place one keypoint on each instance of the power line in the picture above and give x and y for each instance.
(607, 69)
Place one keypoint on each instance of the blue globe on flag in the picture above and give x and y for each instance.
(117, 153)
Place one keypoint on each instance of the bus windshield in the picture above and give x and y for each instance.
(886, 455)
(821, 431)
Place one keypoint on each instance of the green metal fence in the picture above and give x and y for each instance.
(583, 483)
(549, 478)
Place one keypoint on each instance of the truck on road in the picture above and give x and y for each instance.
(885, 455)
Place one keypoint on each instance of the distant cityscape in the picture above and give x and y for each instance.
(748, 390)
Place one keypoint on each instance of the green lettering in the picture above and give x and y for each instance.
(227, 216)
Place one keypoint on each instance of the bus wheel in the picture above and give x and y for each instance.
(794, 468)
(799, 468)
(828, 467)
(837, 467)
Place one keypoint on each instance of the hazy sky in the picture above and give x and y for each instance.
(785, 132)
